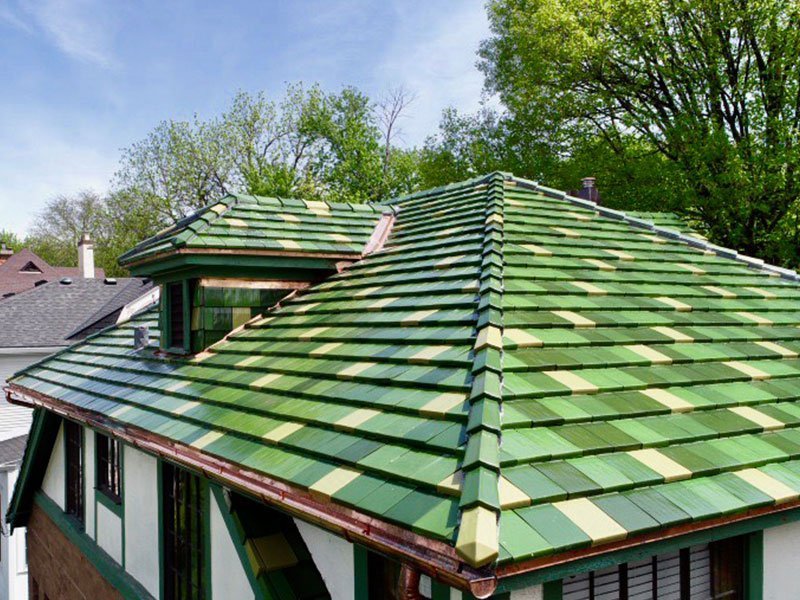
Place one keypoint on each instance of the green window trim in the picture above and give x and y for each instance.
(112, 572)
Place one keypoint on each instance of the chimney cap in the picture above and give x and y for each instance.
(85, 239)
(588, 182)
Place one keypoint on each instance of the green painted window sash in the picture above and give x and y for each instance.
(126, 585)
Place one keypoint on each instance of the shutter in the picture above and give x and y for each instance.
(576, 587)
(700, 572)
(668, 576)
(640, 580)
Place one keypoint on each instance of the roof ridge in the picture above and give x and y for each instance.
(661, 231)
(443, 188)
(479, 506)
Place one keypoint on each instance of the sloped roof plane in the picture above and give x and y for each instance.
(516, 378)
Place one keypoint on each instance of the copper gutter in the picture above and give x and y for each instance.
(562, 558)
(254, 284)
(435, 558)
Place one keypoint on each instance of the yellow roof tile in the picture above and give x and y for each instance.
(777, 348)
(186, 406)
(451, 484)
(758, 319)
(654, 356)
(749, 370)
(694, 269)
(325, 349)
(428, 353)
(489, 336)
(235, 222)
(677, 336)
(208, 438)
(719, 291)
(288, 244)
(579, 216)
(594, 522)
(442, 404)
(600, 264)
(668, 399)
(448, 261)
(281, 431)
(340, 237)
(380, 303)
(661, 464)
(620, 254)
(354, 369)
(356, 418)
(334, 481)
(522, 338)
(417, 317)
(589, 288)
(757, 417)
(312, 333)
(511, 496)
(762, 292)
(289, 218)
(264, 381)
(304, 308)
(676, 304)
(775, 488)
(477, 541)
(574, 318)
(576, 383)
(537, 250)
(249, 360)
(566, 232)
(366, 292)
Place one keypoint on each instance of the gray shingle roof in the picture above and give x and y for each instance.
(48, 315)
(11, 451)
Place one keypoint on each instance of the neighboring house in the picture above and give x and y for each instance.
(25, 270)
(486, 389)
(34, 324)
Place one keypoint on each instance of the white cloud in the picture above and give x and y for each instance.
(434, 55)
(81, 29)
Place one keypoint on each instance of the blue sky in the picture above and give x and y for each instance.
(82, 79)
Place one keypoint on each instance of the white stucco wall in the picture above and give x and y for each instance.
(530, 593)
(334, 558)
(781, 572)
(140, 500)
(228, 577)
(109, 532)
(53, 482)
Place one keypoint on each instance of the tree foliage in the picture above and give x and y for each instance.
(710, 88)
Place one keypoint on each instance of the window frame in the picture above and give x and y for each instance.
(74, 475)
(169, 344)
(200, 537)
(108, 462)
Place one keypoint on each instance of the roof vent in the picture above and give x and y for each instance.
(110, 281)
(40, 282)
(589, 190)
(66, 281)
(141, 337)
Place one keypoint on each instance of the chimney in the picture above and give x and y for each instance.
(5, 253)
(589, 190)
(86, 257)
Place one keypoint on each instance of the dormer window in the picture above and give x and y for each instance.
(177, 317)
(30, 268)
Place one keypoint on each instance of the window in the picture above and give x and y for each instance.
(383, 577)
(73, 437)
(706, 572)
(176, 316)
(109, 472)
(183, 513)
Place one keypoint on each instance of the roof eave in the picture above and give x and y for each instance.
(433, 557)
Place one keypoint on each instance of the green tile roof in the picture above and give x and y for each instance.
(517, 373)
(241, 223)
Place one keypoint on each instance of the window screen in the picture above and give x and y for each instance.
(109, 472)
(176, 315)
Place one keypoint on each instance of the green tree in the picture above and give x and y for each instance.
(11, 240)
(712, 88)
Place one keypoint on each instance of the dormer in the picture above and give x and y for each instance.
(234, 259)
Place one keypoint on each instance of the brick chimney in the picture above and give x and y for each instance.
(86, 257)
